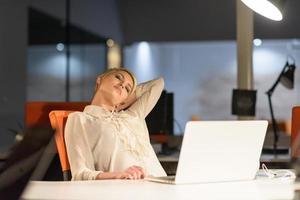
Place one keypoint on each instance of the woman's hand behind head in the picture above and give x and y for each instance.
(128, 102)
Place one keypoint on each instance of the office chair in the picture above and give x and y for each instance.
(58, 119)
(295, 136)
(37, 116)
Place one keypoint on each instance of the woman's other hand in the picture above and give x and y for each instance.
(133, 173)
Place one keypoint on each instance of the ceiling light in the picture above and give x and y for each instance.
(268, 8)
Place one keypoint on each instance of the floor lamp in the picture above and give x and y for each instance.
(286, 78)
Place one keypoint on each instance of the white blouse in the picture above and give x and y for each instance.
(98, 140)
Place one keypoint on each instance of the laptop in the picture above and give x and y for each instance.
(218, 151)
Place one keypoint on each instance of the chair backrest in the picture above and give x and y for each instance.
(295, 136)
(37, 116)
(37, 113)
(58, 120)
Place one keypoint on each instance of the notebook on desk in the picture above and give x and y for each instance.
(217, 151)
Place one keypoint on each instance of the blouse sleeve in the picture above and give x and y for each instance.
(78, 150)
(147, 94)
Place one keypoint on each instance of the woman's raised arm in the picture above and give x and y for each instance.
(146, 96)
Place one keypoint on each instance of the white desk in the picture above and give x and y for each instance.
(262, 189)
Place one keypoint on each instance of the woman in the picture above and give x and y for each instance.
(110, 139)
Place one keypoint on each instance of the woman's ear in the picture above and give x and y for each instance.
(98, 80)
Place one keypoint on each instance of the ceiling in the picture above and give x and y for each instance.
(191, 20)
(128, 21)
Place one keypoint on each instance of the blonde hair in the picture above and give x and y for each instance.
(113, 70)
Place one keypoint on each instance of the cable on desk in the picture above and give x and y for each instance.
(282, 174)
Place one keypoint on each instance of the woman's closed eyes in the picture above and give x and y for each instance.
(121, 78)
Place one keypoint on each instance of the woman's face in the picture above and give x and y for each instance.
(116, 86)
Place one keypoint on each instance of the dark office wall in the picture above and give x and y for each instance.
(13, 44)
(97, 16)
(177, 20)
(198, 20)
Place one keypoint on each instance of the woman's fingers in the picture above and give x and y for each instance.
(138, 168)
(129, 176)
(132, 173)
(140, 171)
(136, 172)
(126, 175)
